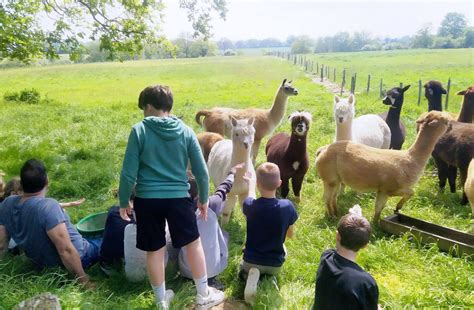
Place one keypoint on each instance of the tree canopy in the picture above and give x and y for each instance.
(452, 25)
(32, 29)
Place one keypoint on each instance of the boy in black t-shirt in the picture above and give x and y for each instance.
(269, 222)
(340, 282)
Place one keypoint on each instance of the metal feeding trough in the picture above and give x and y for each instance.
(447, 239)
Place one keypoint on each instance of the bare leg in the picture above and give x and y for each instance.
(229, 206)
(380, 202)
(155, 265)
(196, 258)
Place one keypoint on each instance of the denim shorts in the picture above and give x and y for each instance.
(91, 253)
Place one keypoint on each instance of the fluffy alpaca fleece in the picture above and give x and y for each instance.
(469, 190)
(369, 129)
(289, 153)
(386, 172)
(394, 99)
(266, 120)
(227, 153)
(207, 141)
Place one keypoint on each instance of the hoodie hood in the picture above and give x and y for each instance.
(167, 128)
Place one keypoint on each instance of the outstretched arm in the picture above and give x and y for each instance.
(76, 203)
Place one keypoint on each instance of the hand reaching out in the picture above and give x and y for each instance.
(76, 203)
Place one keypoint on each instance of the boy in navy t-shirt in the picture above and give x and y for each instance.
(340, 282)
(269, 222)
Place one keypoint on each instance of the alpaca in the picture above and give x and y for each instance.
(367, 129)
(289, 153)
(207, 141)
(266, 120)
(227, 153)
(386, 172)
(469, 190)
(394, 99)
(445, 154)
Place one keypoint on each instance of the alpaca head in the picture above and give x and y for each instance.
(288, 89)
(243, 132)
(434, 90)
(300, 121)
(394, 97)
(468, 93)
(435, 123)
(344, 109)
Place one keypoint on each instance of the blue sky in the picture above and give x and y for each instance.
(281, 18)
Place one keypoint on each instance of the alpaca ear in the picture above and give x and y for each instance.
(336, 99)
(406, 88)
(250, 121)
(283, 83)
(461, 93)
(352, 99)
(291, 81)
(443, 91)
(233, 120)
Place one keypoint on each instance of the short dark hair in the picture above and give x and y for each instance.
(355, 231)
(159, 96)
(33, 176)
(12, 186)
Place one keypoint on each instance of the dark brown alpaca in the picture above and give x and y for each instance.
(289, 153)
(455, 148)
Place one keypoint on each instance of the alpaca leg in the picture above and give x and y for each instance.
(442, 172)
(405, 196)
(463, 172)
(255, 147)
(342, 188)
(380, 202)
(297, 183)
(285, 188)
(328, 197)
(452, 174)
(334, 200)
(229, 206)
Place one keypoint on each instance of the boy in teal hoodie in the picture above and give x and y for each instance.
(155, 161)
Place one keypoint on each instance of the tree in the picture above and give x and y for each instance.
(120, 26)
(302, 45)
(225, 44)
(469, 37)
(423, 38)
(452, 25)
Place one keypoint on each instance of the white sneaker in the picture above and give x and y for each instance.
(165, 304)
(212, 299)
(251, 287)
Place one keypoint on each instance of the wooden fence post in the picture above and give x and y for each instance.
(368, 84)
(294, 60)
(343, 83)
(419, 92)
(447, 94)
(401, 85)
(322, 73)
(355, 81)
(334, 75)
(381, 90)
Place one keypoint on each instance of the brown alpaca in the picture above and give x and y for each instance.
(289, 153)
(266, 120)
(207, 141)
(386, 172)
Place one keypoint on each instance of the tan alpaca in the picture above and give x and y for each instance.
(207, 141)
(386, 172)
(266, 120)
(469, 190)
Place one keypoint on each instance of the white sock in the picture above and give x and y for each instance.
(160, 292)
(201, 286)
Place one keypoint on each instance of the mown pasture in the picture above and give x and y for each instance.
(81, 128)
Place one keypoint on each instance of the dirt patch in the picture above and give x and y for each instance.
(328, 84)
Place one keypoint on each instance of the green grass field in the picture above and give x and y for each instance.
(81, 130)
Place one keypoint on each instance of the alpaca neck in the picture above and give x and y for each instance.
(393, 115)
(240, 155)
(435, 104)
(344, 130)
(423, 146)
(297, 145)
(277, 111)
(467, 111)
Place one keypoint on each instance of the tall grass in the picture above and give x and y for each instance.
(80, 132)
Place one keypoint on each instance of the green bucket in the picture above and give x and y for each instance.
(92, 225)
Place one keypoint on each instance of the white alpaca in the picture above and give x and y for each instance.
(225, 154)
(369, 129)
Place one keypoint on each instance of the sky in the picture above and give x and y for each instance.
(258, 19)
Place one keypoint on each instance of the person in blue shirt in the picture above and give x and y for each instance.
(269, 222)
